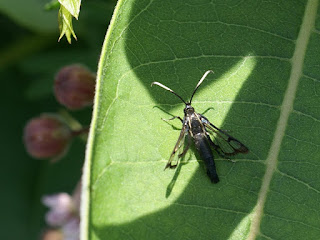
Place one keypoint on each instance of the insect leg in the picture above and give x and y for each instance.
(176, 148)
(166, 120)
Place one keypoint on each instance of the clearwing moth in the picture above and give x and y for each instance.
(198, 128)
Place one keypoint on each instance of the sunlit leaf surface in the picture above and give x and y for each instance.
(265, 91)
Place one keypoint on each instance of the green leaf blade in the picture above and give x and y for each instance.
(175, 43)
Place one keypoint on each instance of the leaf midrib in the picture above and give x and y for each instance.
(297, 61)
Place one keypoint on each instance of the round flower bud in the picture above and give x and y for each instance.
(74, 86)
(46, 136)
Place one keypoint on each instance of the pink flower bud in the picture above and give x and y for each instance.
(74, 86)
(46, 136)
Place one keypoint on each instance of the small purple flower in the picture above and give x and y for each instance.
(63, 215)
(62, 209)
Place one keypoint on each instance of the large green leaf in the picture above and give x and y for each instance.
(30, 14)
(265, 55)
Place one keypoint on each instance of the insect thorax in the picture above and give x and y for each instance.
(188, 110)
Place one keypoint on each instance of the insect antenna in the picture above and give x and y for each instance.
(200, 81)
(168, 89)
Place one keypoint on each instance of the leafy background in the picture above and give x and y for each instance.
(250, 46)
(30, 55)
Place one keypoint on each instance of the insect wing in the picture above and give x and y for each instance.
(181, 146)
(225, 143)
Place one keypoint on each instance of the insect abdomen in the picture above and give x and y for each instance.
(204, 149)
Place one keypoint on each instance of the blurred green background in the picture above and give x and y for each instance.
(30, 56)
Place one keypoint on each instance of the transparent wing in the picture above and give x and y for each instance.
(181, 146)
(224, 143)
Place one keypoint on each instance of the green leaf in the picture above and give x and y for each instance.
(265, 90)
(30, 14)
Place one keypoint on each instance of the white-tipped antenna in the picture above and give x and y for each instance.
(168, 89)
(200, 81)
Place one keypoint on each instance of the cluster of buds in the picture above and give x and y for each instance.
(49, 136)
